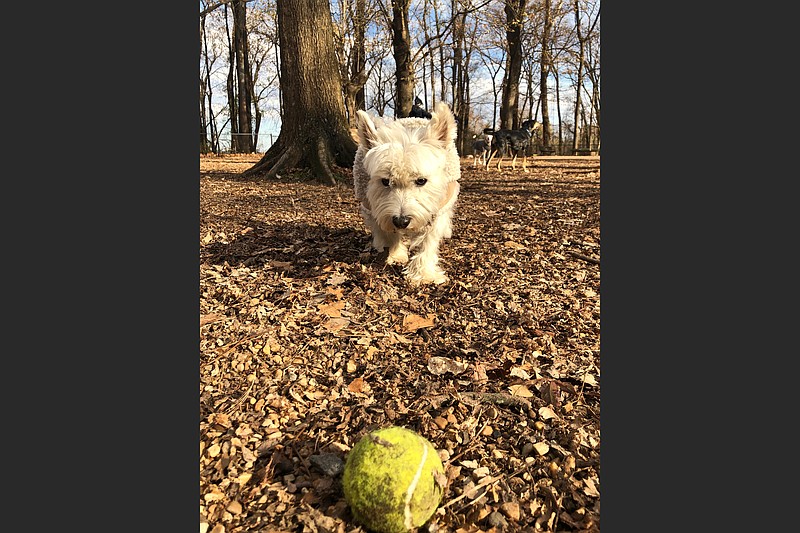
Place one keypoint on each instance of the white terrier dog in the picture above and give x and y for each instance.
(406, 175)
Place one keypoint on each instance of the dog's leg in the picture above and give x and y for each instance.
(398, 251)
(424, 266)
(514, 161)
(492, 153)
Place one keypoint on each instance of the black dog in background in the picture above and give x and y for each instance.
(512, 142)
(481, 146)
(417, 111)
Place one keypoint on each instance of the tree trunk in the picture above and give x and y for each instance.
(314, 133)
(401, 46)
(356, 65)
(558, 114)
(203, 119)
(545, 68)
(208, 119)
(515, 15)
(244, 118)
(576, 139)
(233, 106)
(460, 111)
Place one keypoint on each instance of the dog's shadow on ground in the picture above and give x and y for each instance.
(303, 250)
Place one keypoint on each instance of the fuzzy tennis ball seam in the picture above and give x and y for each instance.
(393, 480)
(413, 486)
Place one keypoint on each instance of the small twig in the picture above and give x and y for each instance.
(246, 394)
(210, 318)
(498, 398)
(485, 482)
(584, 257)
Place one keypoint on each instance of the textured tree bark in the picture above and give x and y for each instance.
(515, 15)
(314, 133)
(244, 141)
(401, 47)
(545, 69)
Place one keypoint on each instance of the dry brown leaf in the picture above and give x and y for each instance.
(357, 385)
(519, 372)
(479, 373)
(336, 279)
(521, 391)
(332, 309)
(541, 447)
(280, 265)
(209, 318)
(412, 322)
(589, 379)
(591, 489)
(546, 413)
(442, 365)
(335, 324)
(396, 337)
(338, 292)
(515, 245)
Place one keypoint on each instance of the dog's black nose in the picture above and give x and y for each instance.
(401, 221)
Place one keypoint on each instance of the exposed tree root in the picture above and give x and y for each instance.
(328, 152)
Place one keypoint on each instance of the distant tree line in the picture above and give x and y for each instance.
(518, 58)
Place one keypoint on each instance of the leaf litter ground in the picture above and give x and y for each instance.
(308, 341)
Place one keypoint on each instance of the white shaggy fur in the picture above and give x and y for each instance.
(407, 170)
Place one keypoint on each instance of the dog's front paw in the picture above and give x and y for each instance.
(395, 260)
(419, 276)
(398, 256)
(436, 279)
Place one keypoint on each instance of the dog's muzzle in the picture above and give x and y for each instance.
(401, 221)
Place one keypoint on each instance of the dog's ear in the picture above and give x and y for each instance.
(443, 124)
(367, 134)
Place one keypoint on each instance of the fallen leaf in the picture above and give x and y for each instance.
(515, 245)
(336, 279)
(442, 365)
(357, 385)
(213, 450)
(332, 309)
(335, 324)
(396, 337)
(520, 373)
(280, 265)
(209, 318)
(591, 489)
(541, 447)
(546, 413)
(479, 374)
(521, 391)
(213, 496)
(414, 322)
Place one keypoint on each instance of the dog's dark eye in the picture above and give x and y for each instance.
(421, 181)
(385, 182)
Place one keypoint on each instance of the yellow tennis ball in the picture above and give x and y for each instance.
(393, 480)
